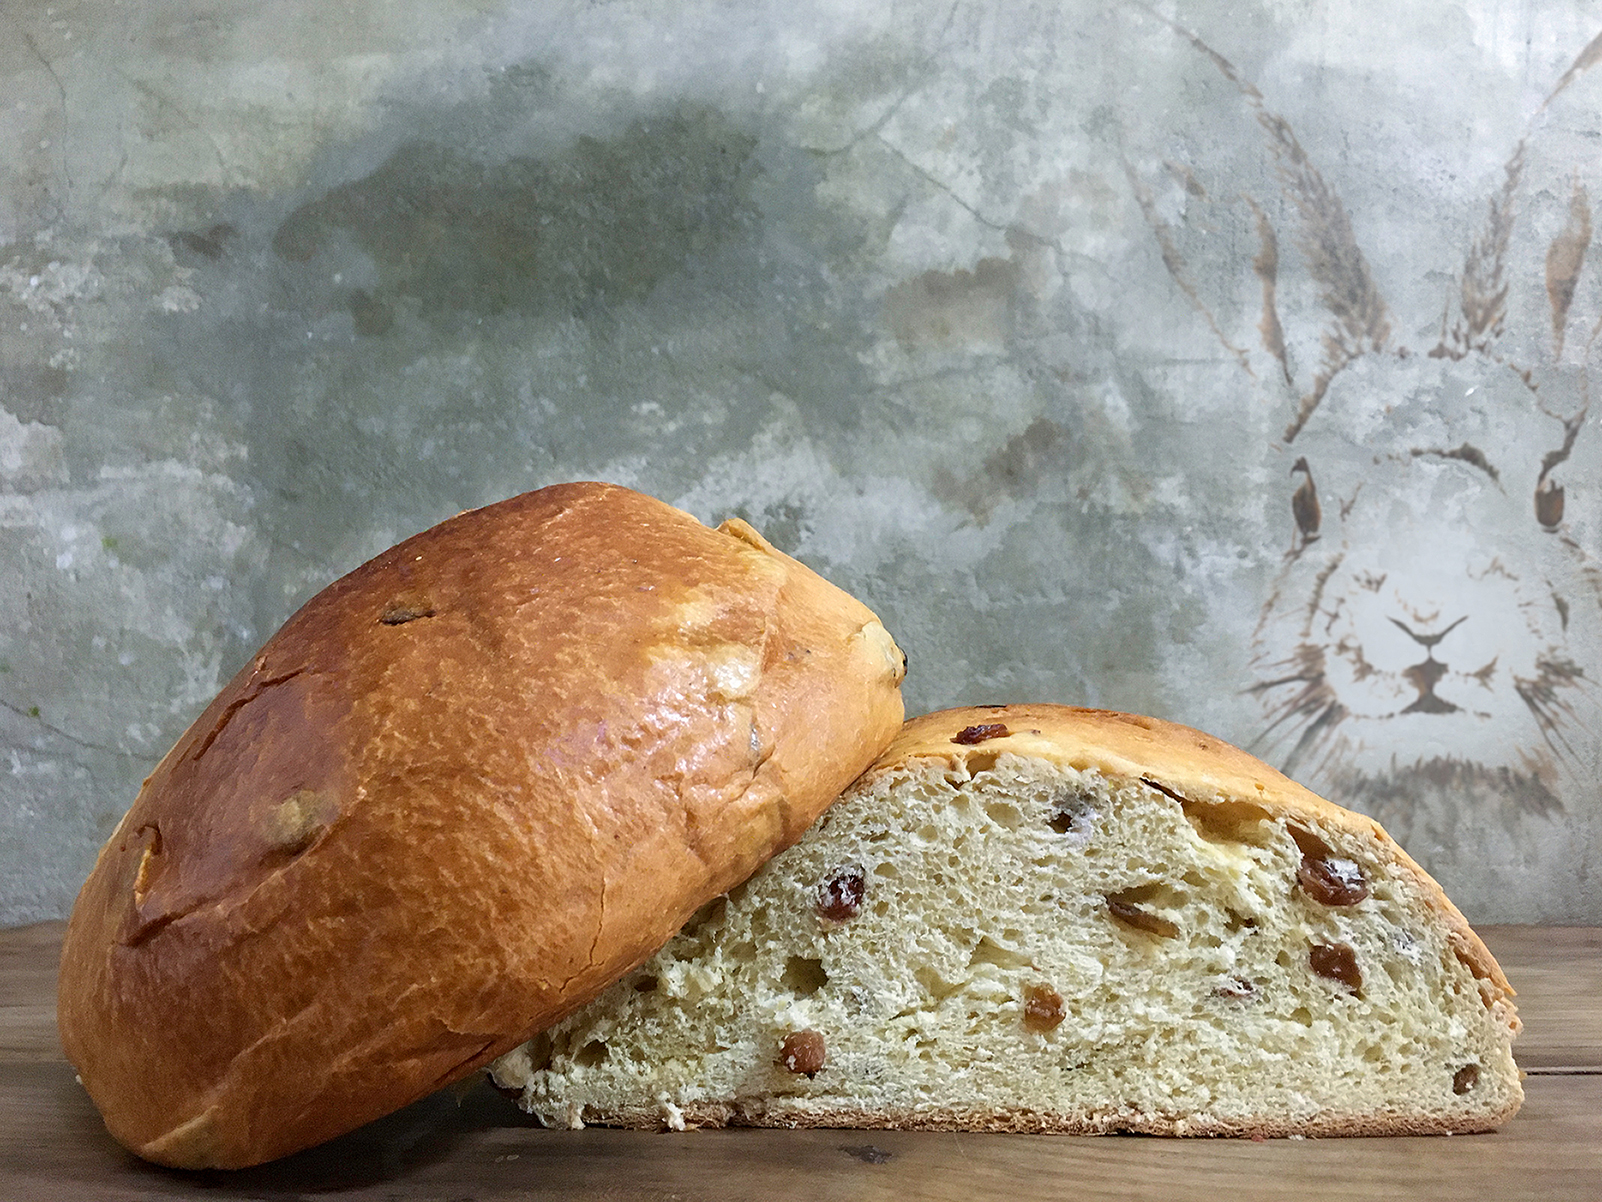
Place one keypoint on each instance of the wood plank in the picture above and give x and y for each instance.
(474, 1144)
(1558, 974)
(28, 959)
(52, 1147)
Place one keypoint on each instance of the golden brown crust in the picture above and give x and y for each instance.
(462, 790)
(1188, 763)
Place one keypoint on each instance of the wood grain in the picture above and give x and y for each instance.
(53, 1147)
(472, 1144)
(1558, 974)
(28, 959)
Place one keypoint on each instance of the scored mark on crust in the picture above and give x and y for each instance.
(478, 1056)
(235, 706)
(398, 613)
(143, 932)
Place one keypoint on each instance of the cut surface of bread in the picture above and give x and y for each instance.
(1036, 918)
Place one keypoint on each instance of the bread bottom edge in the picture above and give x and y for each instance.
(667, 1116)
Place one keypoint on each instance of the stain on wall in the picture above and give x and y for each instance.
(960, 308)
(601, 223)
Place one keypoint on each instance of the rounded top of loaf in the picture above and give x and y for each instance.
(1187, 764)
(462, 790)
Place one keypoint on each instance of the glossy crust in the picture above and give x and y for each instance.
(461, 791)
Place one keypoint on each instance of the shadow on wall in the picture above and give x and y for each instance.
(602, 223)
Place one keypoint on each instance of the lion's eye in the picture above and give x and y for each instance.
(1549, 504)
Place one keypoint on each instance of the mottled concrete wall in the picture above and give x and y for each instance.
(1014, 320)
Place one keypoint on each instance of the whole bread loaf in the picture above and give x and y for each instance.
(461, 791)
(1036, 918)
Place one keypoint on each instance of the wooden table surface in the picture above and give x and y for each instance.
(475, 1145)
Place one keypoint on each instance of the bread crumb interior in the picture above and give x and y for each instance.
(1032, 946)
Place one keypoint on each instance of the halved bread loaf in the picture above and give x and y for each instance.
(1036, 918)
(463, 790)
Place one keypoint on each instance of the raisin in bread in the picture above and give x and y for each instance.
(1036, 918)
